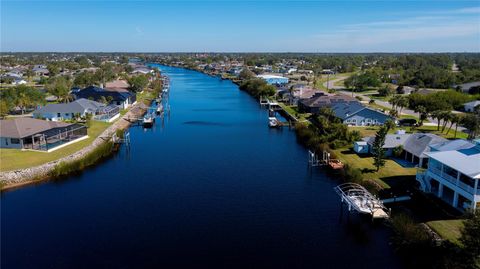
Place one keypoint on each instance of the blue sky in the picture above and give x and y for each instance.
(247, 26)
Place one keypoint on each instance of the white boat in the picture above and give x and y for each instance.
(361, 200)
(272, 122)
(148, 120)
(159, 108)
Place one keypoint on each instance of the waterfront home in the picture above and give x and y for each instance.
(142, 70)
(78, 108)
(453, 176)
(34, 134)
(392, 141)
(301, 91)
(417, 146)
(355, 114)
(322, 100)
(274, 79)
(121, 99)
(470, 106)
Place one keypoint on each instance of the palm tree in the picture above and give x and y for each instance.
(437, 115)
(472, 123)
(454, 119)
(446, 116)
(422, 114)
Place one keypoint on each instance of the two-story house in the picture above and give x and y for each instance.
(453, 176)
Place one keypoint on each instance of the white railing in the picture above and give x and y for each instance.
(452, 180)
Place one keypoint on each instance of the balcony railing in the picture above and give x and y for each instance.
(452, 180)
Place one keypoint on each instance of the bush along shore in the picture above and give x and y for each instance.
(100, 148)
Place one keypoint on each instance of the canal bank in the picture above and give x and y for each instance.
(32, 175)
(215, 188)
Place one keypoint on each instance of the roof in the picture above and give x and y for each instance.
(467, 86)
(323, 100)
(473, 103)
(452, 145)
(122, 84)
(391, 140)
(23, 127)
(97, 92)
(78, 106)
(344, 110)
(464, 160)
(419, 143)
(271, 77)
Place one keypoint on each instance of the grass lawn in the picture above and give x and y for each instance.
(447, 229)
(293, 110)
(433, 130)
(389, 175)
(11, 159)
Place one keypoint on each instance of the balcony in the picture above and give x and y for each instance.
(446, 177)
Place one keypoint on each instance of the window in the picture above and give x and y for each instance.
(15, 141)
(58, 115)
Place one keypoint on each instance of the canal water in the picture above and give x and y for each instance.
(211, 187)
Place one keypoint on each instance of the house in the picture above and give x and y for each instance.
(322, 100)
(392, 141)
(457, 144)
(19, 81)
(117, 84)
(453, 176)
(78, 108)
(121, 99)
(467, 86)
(417, 145)
(355, 114)
(470, 106)
(34, 134)
(142, 70)
(273, 79)
(40, 70)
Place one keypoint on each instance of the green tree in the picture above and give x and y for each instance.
(246, 74)
(470, 238)
(377, 147)
(60, 87)
(471, 121)
(4, 109)
(138, 83)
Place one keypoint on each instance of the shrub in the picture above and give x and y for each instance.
(65, 168)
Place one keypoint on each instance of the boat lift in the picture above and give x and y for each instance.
(361, 200)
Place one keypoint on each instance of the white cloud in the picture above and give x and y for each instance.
(373, 34)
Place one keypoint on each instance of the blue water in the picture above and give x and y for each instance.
(211, 187)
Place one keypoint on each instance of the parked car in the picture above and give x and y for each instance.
(407, 122)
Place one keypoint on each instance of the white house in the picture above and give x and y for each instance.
(80, 107)
(470, 106)
(453, 176)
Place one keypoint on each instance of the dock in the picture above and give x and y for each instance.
(361, 201)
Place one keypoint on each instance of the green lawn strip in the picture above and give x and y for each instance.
(433, 130)
(390, 175)
(293, 110)
(447, 229)
(12, 159)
